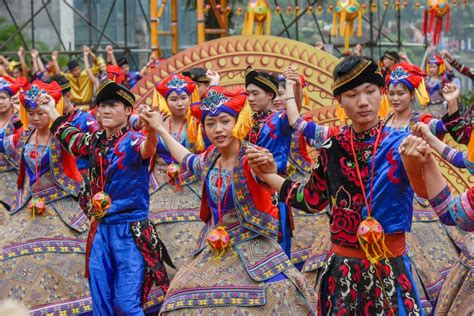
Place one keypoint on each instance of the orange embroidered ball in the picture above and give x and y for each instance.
(37, 205)
(101, 202)
(219, 239)
(172, 171)
(370, 230)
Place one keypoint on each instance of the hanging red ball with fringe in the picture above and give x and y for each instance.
(370, 230)
(37, 206)
(101, 202)
(219, 239)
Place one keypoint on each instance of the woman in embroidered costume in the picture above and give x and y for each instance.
(432, 262)
(123, 254)
(306, 226)
(439, 73)
(9, 125)
(368, 270)
(238, 266)
(457, 294)
(175, 195)
(43, 239)
(299, 161)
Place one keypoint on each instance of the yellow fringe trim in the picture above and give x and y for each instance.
(200, 145)
(470, 148)
(422, 93)
(24, 118)
(384, 108)
(374, 251)
(341, 114)
(244, 122)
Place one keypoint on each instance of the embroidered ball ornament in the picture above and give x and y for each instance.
(37, 205)
(370, 230)
(172, 170)
(219, 239)
(101, 202)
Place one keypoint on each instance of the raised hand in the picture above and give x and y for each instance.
(47, 104)
(34, 53)
(21, 52)
(142, 108)
(54, 55)
(403, 56)
(152, 120)
(151, 60)
(319, 45)
(451, 92)
(447, 55)
(109, 49)
(86, 50)
(416, 149)
(359, 50)
(213, 76)
(292, 77)
(261, 161)
(421, 130)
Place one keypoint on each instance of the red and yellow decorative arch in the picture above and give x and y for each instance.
(231, 55)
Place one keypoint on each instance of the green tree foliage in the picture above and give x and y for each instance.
(6, 31)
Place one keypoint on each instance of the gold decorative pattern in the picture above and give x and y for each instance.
(231, 56)
(352, 74)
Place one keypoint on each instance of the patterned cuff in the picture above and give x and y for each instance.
(448, 153)
(134, 122)
(287, 192)
(462, 212)
(440, 202)
(57, 124)
(184, 163)
(299, 124)
(451, 119)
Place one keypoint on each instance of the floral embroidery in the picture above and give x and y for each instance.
(393, 167)
(176, 83)
(356, 287)
(213, 101)
(344, 221)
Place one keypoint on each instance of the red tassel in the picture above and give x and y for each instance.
(90, 239)
(448, 21)
(437, 32)
(21, 174)
(425, 23)
(432, 21)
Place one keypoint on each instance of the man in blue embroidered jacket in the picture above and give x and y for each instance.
(272, 131)
(123, 250)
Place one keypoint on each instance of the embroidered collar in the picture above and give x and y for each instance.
(119, 133)
(368, 134)
(262, 115)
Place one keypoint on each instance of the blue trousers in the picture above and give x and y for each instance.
(116, 269)
(285, 242)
